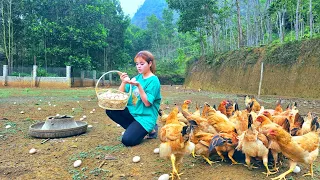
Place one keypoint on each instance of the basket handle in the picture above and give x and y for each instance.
(104, 75)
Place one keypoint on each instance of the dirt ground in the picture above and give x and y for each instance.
(102, 154)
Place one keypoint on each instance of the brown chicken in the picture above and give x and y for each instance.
(225, 142)
(265, 125)
(202, 146)
(298, 149)
(253, 105)
(254, 144)
(184, 107)
(220, 121)
(173, 144)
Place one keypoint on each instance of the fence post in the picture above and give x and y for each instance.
(82, 78)
(68, 75)
(94, 77)
(5, 75)
(34, 76)
(261, 78)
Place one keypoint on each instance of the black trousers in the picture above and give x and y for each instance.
(134, 133)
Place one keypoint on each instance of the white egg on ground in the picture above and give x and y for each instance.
(136, 159)
(84, 116)
(21, 112)
(77, 163)
(156, 150)
(32, 151)
(81, 119)
(54, 105)
(8, 126)
(39, 109)
(164, 177)
(89, 126)
(118, 125)
(72, 109)
(57, 114)
(297, 169)
(15, 103)
(91, 112)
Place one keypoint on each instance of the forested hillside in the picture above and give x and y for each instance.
(149, 7)
(96, 35)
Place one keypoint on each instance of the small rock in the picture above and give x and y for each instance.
(57, 114)
(297, 169)
(118, 125)
(91, 112)
(54, 105)
(39, 109)
(8, 126)
(72, 109)
(122, 133)
(164, 177)
(32, 151)
(81, 119)
(109, 157)
(21, 112)
(122, 175)
(136, 159)
(84, 116)
(156, 150)
(77, 163)
(15, 103)
(90, 126)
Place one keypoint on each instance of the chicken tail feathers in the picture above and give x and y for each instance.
(315, 124)
(217, 140)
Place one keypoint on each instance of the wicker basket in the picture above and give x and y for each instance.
(112, 99)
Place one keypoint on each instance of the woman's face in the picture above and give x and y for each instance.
(142, 66)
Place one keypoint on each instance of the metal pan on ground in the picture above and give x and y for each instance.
(58, 127)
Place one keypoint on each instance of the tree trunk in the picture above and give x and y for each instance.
(239, 25)
(297, 20)
(311, 17)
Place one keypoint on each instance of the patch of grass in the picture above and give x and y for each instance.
(98, 171)
(81, 155)
(12, 130)
(77, 175)
(110, 149)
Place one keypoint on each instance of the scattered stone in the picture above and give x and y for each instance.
(21, 112)
(136, 159)
(39, 109)
(90, 126)
(77, 163)
(164, 177)
(109, 157)
(297, 169)
(32, 151)
(156, 150)
(8, 126)
(118, 125)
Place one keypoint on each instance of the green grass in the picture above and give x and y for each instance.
(35, 92)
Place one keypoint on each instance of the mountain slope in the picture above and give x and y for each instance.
(148, 8)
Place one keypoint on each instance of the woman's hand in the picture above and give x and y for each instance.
(134, 82)
(124, 77)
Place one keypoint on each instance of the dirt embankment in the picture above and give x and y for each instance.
(291, 69)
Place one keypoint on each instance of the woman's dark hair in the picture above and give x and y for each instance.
(148, 57)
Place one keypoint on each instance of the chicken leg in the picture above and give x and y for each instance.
(311, 171)
(265, 163)
(283, 175)
(174, 169)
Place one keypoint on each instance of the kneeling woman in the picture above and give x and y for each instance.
(140, 116)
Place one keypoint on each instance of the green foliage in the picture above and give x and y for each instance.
(110, 149)
(286, 54)
(20, 74)
(98, 171)
(41, 72)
